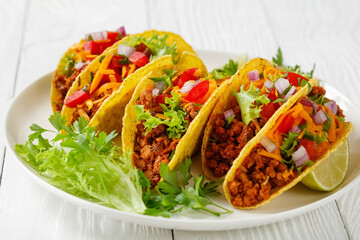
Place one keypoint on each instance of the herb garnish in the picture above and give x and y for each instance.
(227, 70)
(69, 64)
(173, 195)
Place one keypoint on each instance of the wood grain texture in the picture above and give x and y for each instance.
(36, 35)
(12, 27)
(307, 226)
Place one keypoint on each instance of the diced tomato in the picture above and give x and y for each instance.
(310, 147)
(295, 78)
(286, 124)
(187, 76)
(76, 98)
(268, 110)
(161, 98)
(197, 92)
(115, 61)
(113, 36)
(96, 47)
(139, 59)
(271, 95)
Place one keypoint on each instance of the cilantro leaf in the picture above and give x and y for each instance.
(278, 60)
(227, 70)
(250, 103)
(175, 195)
(169, 74)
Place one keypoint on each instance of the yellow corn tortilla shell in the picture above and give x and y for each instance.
(109, 116)
(347, 127)
(240, 78)
(191, 140)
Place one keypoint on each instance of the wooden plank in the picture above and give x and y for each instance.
(307, 226)
(12, 16)
(230, 26)
(51, 27)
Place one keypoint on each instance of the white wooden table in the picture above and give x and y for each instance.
(35, 33)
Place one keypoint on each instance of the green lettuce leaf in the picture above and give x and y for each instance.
(227, 70)
(157, 45)
(250, 103)
(176, 123)
(85, 164)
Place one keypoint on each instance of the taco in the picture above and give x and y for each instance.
(166, 116)
(253, 96)
(304, 134)
(101, 92)
(75, 60)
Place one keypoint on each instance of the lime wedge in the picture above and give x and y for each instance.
(330, 173)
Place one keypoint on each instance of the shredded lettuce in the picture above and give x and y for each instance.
(175, 122)
(84, 163)
(250, 103)
(289, 144)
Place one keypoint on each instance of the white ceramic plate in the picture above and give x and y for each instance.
(33, 106)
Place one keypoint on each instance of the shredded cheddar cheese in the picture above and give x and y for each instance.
(106, 86)
(265, 153)
(98, 75)
(112, 78)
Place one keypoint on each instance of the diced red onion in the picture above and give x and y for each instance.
(79, 65)
(160, 85)
(281, 84)
(125, 50)
(121, 30)
(253, 75)
(332, 106)
(197, 82)
(295, 129)
(267, 144)
(307, 102)
(147, 53)
(268, 84)
(96, 36)
(319, 117)
(300, 156)
(187, 87)
(155, 91)
(228, 113)
(290, 92)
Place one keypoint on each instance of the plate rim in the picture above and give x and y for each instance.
(168, 223)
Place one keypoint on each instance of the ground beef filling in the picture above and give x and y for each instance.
(257, 178)
(151, 150)
(62, 84)
(226, 142)
(155, 147)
